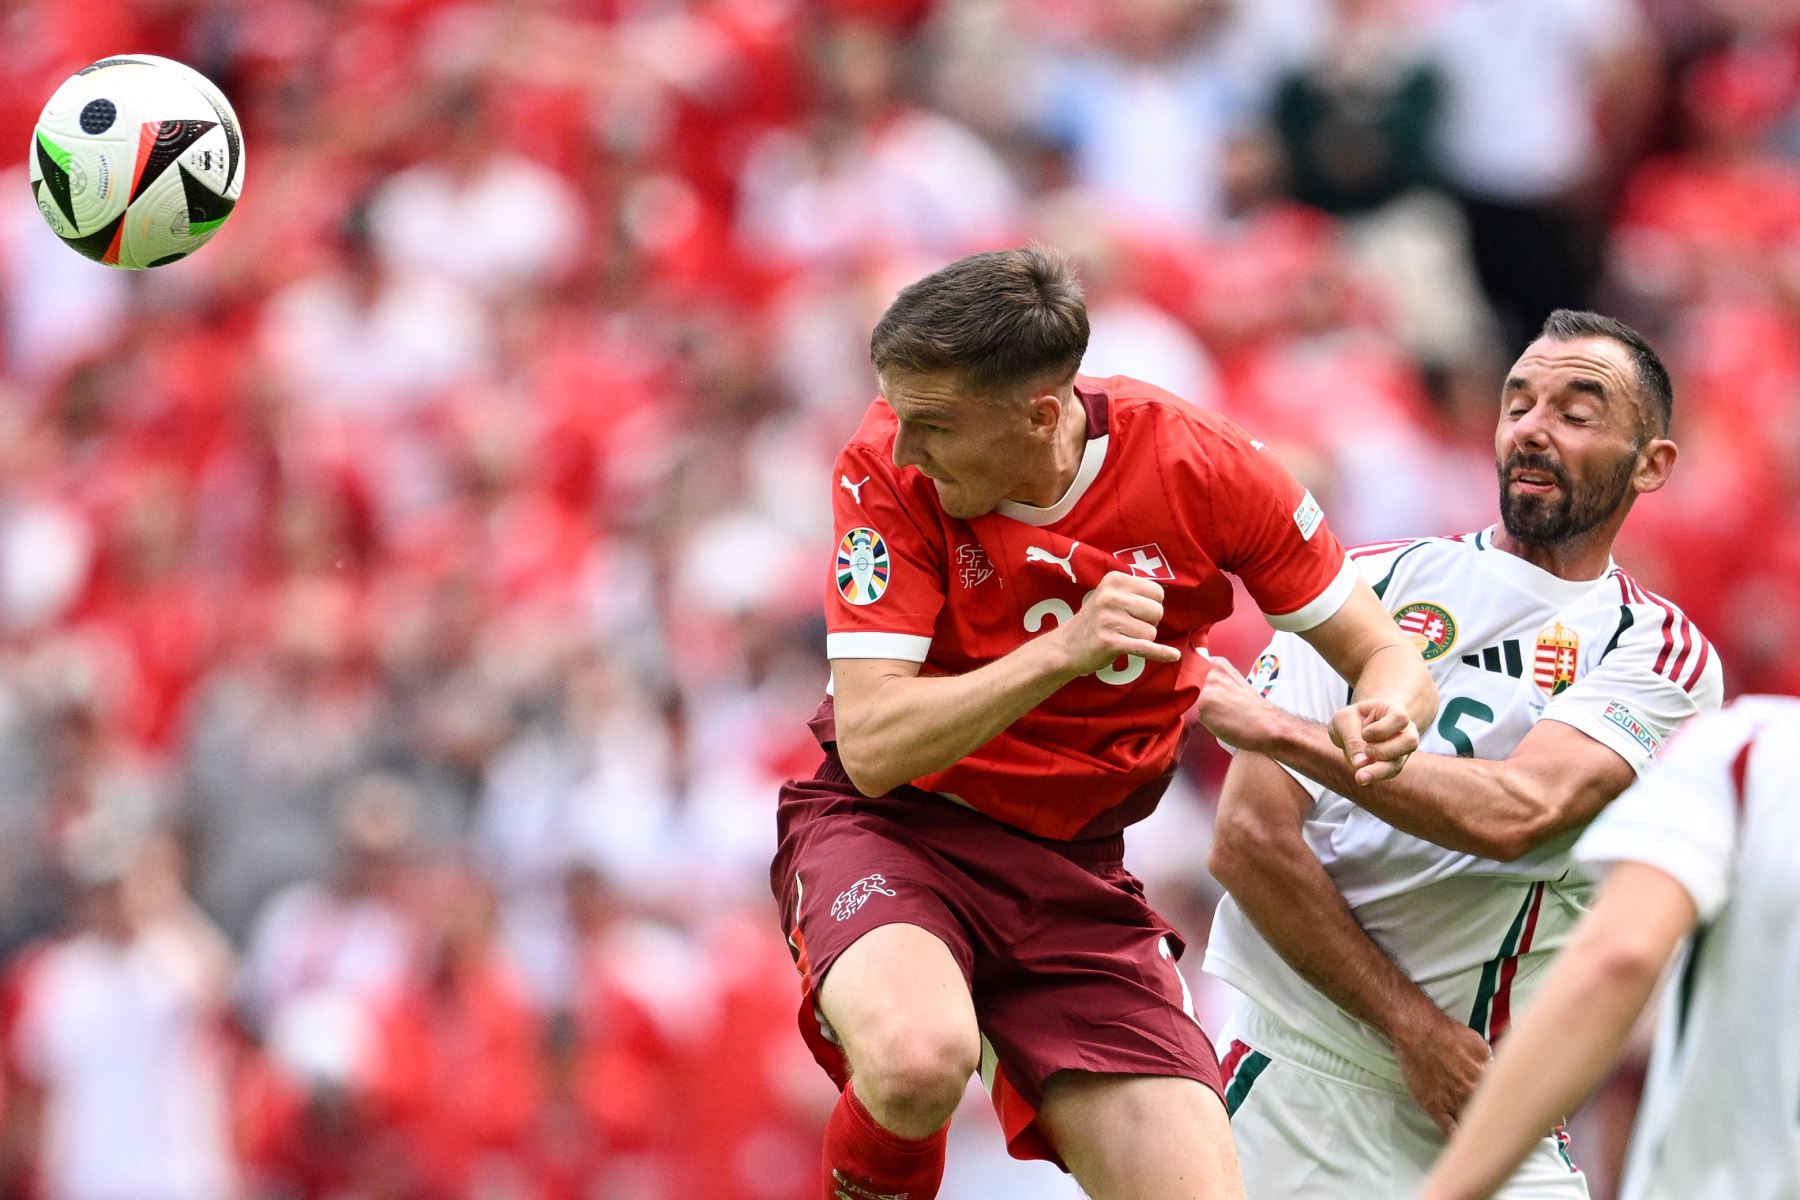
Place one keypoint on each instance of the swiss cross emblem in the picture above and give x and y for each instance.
(1146, 562)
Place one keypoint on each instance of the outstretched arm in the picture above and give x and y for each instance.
(1556, 779)
(1259, 855)
(1574, 1029)
(1393, 696)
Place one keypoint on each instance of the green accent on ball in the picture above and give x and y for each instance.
(57, 154)
(206, 208)
(196, 228)
(53, 165)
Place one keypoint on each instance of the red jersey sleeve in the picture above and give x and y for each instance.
(887, 573)
(1272, 535)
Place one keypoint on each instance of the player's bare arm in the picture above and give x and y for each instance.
(1260, 856)
(1393, 695)
(894, 724)
(1556, 779)
(1573, 1031)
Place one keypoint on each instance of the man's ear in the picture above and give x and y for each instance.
(1655, 463)
(1045, 413)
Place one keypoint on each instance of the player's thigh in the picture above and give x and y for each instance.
(898, 994)
(1144, 1137)
(1303, 1136)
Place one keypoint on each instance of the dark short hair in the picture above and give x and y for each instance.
(1003, 320)
(1656, 395)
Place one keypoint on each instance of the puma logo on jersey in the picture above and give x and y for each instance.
(855, 489)
(1039, 554)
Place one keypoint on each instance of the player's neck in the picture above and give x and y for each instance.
(1066, 455)
(1580, 558)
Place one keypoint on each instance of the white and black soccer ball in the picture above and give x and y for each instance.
(137, 161)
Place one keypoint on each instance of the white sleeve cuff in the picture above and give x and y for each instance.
(903, 646)
(1706, 884)
(1323, 607)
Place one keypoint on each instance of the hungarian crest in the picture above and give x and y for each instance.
(1431, 627)
(1553, 665)
(862, 566)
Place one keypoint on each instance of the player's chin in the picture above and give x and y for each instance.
(959, 503)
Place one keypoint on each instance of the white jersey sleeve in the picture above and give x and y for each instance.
(1683, 817)
(1292, 676)
(1657, 672)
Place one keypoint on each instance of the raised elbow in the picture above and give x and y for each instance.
(1507, 843)
(864, 775)
(863, 763)
(1628, 959)
(1240, 850)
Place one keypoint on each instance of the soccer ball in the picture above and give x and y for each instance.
(136, 161)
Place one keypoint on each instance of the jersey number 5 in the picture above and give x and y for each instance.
(1453, 713)
(1116, 675)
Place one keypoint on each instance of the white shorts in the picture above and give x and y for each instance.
(1311, 1125)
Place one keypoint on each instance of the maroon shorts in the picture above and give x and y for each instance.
(1069, 968)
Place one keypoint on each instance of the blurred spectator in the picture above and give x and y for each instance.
(1147, 109)
(1519, 168)
(870, 172)
(477, 212)
(347, 937)
(117, 1034)
(279, 730)
(1357, 124)
(456, 1079)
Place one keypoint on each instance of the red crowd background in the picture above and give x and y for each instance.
(409, 604)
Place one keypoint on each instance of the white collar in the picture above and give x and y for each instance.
(1092, 456)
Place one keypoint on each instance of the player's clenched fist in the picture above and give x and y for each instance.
(1376, 738)
(1118, 617)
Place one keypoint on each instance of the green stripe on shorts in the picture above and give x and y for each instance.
(1242, 1079)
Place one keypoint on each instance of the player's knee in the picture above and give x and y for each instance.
(912, 1080)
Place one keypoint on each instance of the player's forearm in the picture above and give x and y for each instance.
(1292, 901)
(1468, 804)
(1394, 672)
(917, 725)
(1556, 1054)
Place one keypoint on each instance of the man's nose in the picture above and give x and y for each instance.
(905, 454)
(1532, 431)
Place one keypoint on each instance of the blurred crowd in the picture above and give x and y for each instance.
(410, 604)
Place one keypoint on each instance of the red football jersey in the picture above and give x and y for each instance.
(1165, 490)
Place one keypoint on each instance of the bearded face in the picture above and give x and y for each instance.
(1541, 504)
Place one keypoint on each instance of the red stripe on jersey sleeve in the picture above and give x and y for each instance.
(1687, 685)
(1689, 636)
(1668, 637)
(1740, 770)
(1378, 548)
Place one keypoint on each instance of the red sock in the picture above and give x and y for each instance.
(863, 1161)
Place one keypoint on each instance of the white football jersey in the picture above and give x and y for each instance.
(1508, 645)
(1721, 1110)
